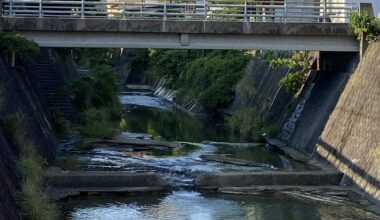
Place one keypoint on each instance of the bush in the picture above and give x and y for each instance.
(364, 23)
(211, 79)
(293, 81)
(299, 65)
(96, 94)
(70, 163)
(98, 123)
(250, 125)
(139, 63)
(207, 76)
(96, 90)
(60, 123)
(15, 42)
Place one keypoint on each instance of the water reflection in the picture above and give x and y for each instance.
(189, 205)
(173, 125)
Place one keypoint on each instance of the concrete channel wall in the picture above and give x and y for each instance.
(351, 138)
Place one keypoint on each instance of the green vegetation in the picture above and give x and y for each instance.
(33, 201)
(377, 151)
(365, 24)
(250, 125)
(60, 123)
(299, 64)
(71, 163)
(82, 145)
(96, 94)
(211, 79)
(207, 76)
(99, 123)
(15, 42)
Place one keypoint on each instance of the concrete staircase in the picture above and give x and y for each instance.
(51, 85)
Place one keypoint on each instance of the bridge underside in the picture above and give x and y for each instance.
(102, 33)
(192, 41)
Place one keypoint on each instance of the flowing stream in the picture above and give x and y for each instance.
(147, 117)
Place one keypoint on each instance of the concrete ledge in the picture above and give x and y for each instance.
(104, 180)
(173, 26)
(238, 179)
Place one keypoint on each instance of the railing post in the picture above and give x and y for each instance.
(1, 10)
(245, 11)
(205, 9)
(82, 9)
(10, 8)
(165, 10)
(124, 11)
(324, 11)
(40, 9)
(285, 11)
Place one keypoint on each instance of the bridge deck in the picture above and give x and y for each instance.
(58, 32)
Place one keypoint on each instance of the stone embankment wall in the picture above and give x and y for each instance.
(19, 92)
(351, 138)
(9, 176)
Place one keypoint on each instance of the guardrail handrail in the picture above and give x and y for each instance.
(248, 11)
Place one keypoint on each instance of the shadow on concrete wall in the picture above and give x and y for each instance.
(341, 159)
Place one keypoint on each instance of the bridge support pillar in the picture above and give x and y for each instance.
(185, 40)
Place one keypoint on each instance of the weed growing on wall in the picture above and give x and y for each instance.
(33, 200)
(365, 24)
(299, 63)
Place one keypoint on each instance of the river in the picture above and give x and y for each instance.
(147, 117)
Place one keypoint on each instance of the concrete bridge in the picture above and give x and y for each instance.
(269, 25)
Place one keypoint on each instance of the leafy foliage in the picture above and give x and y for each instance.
(15, 42)
(170, 63)
(364, 23)
(208, 76)
(249, 124)
(98, 123)
(71, 163)
(96, 94)
(293, 81)
(139, 63)
(299, 63)
(98, 89)
(61, 124)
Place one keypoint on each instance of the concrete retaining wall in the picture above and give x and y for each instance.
(352, 132)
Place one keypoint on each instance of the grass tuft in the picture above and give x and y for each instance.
(34, 202)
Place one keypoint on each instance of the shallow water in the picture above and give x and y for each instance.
(190, 205)
(160, 119)
(151, 117)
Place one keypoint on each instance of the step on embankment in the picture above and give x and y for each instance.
(51, 85)
(214, 181)
(61, 184)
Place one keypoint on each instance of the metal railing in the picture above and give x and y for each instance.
(231, 10)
